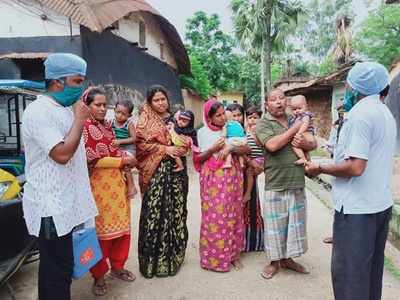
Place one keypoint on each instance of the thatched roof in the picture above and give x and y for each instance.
(295, 86)
(97, 15)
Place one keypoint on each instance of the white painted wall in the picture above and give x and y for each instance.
(129, 30)
(22, 19)
(337, 94)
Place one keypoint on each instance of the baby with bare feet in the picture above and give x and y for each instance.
(299, 107)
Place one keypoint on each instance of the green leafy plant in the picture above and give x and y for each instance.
(199, 82)
(379, 38)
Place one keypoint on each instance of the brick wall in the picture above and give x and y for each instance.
(320, 104)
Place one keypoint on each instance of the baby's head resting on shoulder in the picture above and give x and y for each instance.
(298, 104)
(229, 115)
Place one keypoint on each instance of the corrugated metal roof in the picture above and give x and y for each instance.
(14, 90)
(97, 15)
(24, 55)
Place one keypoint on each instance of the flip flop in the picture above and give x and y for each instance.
(269, 275)
(99, 289)
(124, 275)
(294, 266)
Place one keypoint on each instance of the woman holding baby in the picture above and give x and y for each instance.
(253, 221)
(221, 191)
(163, 232)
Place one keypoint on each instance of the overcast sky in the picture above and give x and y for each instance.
(178, 11)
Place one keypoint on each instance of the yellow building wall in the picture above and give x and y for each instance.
(194, 103)
(395, 71)
(231, 97)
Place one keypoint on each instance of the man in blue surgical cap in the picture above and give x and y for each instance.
(361, 191)
(57, 195)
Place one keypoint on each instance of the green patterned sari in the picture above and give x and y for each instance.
(163, 233)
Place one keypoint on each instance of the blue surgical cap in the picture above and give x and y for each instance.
(368, 78)
(60, 65)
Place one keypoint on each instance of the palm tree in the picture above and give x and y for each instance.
(343, 46)
(262, 26)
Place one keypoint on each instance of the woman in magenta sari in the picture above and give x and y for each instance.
(221, 191)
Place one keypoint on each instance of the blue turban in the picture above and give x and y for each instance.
(60, 65)
(368, 78)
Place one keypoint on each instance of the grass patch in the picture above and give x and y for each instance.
(392, 268)
(320, 193)
(319, 152)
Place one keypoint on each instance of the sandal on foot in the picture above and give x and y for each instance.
(294, 266)
(237, 265)
(99, 289)
(124, 275)
(269, 272)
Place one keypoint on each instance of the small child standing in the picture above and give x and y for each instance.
(235, 136)
(256, 162)
(125, 137)
(182, 126)
(299, 107)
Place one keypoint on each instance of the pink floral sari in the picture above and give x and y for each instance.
(221, 190)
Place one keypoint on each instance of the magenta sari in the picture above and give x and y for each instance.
(221, 192)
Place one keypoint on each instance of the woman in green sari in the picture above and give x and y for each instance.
(163, 232)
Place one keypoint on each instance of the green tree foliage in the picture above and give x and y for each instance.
(214, 50)
(327, 66)
(379, 38)
(216, 66)
(249, 78)
(317, 27)
(264, 26)
(199, 82)
(276, 71)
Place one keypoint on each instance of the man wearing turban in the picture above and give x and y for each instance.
(361, 191)
(57, 195)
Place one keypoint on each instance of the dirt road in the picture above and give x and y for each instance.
(194, 283)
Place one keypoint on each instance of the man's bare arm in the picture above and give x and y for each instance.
(352, 167)
(277, 142)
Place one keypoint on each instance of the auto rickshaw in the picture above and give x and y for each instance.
(17, 246)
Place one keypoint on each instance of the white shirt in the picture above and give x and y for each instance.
(52, 189)
(207, 138)
(369, 134)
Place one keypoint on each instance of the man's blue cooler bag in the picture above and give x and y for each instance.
(87, 251)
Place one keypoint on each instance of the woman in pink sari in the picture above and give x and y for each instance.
(221, 191)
